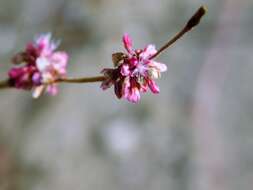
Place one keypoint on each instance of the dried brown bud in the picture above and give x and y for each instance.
(194, 21)
(117, 58)
(19, 58)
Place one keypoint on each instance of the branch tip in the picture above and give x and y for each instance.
(195, 19)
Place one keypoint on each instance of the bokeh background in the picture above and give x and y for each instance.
(197, 134)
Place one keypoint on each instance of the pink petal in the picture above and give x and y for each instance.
(128, 43)
(15, 72)
(36, 78)
(126, 87)
(52, 89)
(144, 87)
(125, 70)
(43, 39)
(45, 45)
(133, 61)
(134, 95)
(153, 86)
(140, 69)
(60, 61)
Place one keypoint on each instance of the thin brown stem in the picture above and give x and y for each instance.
(5, 84)
(81, 80)
(172, 41)
(194, 21)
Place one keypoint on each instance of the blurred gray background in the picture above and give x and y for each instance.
(195, 135)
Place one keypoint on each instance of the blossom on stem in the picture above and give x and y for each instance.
(134, 72)
(40, 66)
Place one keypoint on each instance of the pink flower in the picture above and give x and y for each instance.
(42, 65)
(134, 72)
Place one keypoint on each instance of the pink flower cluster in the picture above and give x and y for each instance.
(134, 72)
(41, 66)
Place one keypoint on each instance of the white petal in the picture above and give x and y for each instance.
(149, 51)
(42, 64)
(160, 66)
(38, 91)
